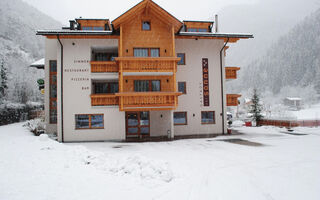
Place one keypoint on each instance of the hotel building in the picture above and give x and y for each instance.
(144, 75)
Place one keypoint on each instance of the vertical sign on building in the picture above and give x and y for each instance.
(205, 79)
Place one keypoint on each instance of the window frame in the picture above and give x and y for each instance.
(186, 118)
(214, 118)
(183, 60)
(142, 22)
(185, 86)
(149, 85)
(90, 124)
(149, 51)
(108, 86)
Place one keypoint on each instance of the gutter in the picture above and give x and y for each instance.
(61, 46)
(222, 88)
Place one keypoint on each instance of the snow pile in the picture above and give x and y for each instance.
(143, 167)
(136, 166)
(34, 125)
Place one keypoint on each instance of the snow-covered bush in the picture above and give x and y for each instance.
(36, 126)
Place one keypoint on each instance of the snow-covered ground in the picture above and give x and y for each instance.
(311, 113)
(283, 167)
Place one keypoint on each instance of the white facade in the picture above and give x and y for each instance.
(77, 78)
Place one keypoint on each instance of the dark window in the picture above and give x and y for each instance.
(105, 87)
(198, 30)
(192, 30)
(146, 26)
(53, 65)
(95, 28)
(94, 121)
(202, 30)
(98, 28)
(182, 87)
(180, 118)
(208, 117)
(53, 116)
(103, 56)
(87, 28)
(182, 57)
(147, 86)
(146, 52)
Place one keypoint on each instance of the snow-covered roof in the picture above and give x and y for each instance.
(294, 98)
(73, 32)
(205, 34)
(38, 64)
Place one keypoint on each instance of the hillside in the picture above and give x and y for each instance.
(290, 64)
(19, 46)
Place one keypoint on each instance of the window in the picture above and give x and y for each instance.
(180, 118)
(92, 121)
(208, 117)
(146, 26)
(105, 87)
(100, 55)
(53, 91)
(182, 57)
(147, 86)
(146, 52)
(95, 28)
(182, 87)
(198, 30)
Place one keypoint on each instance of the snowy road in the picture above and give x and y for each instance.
(284, 167)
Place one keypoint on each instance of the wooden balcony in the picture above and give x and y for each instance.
(232, 99)
(104, 66)
(104, 100)
(148, 64)
(140, 101)
(231, 72)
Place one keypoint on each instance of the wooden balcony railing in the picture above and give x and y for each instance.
(137, 101)
(104, 100)
(104, 66)
(231, 72)
(232, 99)
(149, 64)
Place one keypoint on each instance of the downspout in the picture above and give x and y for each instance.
(61, 57)
(222, 88)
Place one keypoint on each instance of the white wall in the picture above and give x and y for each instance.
(191, 73)
(50, 54)
(76, 94)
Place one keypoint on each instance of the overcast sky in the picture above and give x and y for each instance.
(64, 10)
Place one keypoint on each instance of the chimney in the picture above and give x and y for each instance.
(72, 23)
(217, 24)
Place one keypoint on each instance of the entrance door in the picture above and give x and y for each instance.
(137, 124)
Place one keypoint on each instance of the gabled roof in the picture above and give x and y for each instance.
(143, 6)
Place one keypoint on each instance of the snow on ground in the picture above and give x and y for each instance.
(312, 113)
(284, 167)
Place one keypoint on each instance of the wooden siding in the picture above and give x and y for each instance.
(91, 22)
(104, 66)
(231, 72)
(104, 100)
(139, 101)
(232, 99)
(160, 36)
(202, 25)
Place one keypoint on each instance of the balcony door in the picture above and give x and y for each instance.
(137, 124)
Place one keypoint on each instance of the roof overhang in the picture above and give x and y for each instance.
(142, 7)
(231, 37)
(39, 64)
(65, 34)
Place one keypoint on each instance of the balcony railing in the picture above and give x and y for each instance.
(232, 99)
(149, 64)
(104, 100)
(231, 72)
(104, 66)
(135, 101)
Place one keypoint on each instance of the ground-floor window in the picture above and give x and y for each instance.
(180, 118)
(208, 117)
(89, 121)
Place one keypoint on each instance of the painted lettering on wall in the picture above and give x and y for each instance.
(201, 93)
(76, 70)
(205, 79)
(79, 79)
(81, 61)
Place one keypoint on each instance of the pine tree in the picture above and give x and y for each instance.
(3, 81)
(256, 107)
